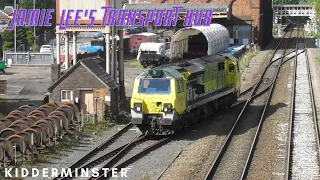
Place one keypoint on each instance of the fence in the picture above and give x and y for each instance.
(28, 58)
(79, 45)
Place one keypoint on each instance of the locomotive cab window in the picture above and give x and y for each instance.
(231, 68)
(221, 66)
(180, 86)
(154, 86)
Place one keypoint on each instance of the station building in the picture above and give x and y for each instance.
(248, 21)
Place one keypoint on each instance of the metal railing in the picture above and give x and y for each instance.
(28, 58)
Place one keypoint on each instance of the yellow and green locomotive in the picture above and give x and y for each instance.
(168, 97)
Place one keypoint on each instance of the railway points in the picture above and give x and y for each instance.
(247, 132)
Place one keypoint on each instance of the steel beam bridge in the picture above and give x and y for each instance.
(293, 10)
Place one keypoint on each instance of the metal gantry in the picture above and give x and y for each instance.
(292, 10)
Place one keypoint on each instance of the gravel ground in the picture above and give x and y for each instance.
(207, 137)
(233, 160)
(85, 146)
(191, 165)
(194, 161)
(304, 153)
(270, 152)
(26, 82)
(253, 72)
(313, 53)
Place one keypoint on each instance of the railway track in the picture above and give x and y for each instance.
(98, 149)
(303, 139)
(237, 150)
(116, 163)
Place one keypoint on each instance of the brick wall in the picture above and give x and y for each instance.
(243, 12)
(79, 78)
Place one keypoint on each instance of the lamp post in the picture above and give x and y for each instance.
(34, 27)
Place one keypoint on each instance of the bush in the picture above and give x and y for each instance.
(35, 47)
(7, 45)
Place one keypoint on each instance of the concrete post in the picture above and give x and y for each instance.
(58, 47)
(121, 67)
(113, 55)
(107, 39)
(74, 48)
(66, 44)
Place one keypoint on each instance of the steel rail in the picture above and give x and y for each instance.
(137, 156)
(96, 150)
(292, 112)
(258, 131)
(269, 64)
(162, 173)
(292, 109)
(222, 150)
(313, 104)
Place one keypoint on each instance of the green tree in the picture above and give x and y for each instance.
(40, 4)
(30, 37)
(21, 36)
(8, 37)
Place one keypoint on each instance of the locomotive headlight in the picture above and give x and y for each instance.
(137, 107)
(167, 107)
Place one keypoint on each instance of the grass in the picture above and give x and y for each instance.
(318, 59)
(146, 177)
(247, 57)
(64, 146)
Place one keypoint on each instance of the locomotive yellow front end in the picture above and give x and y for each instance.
(158, 100)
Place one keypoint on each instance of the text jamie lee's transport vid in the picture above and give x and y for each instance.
(111, 17)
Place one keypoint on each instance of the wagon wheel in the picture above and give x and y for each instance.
(41, 131)
(7, 132)
(7, 146)
(69, 113)
(61, 115)
(52, 105)
(46, 110)
(21, 121)
(39, 115)
(31, 105)
(74, 107)
(28, 120)
(19, 127)
(33, 113)
(6, 122)
(55, 122)
(2, 153)
(36, 136)
(2, 125)
(30, 108)
(18, 141)
(25, 111)
(47, 126)
(36, 117)
(17, 114)
(26, 138)
(12, 118)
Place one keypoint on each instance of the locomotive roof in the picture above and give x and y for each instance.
(197, 64)
(193, 65)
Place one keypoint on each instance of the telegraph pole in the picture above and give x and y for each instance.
(121, 67)
(34, 27)
(15, 29)
(115, 94)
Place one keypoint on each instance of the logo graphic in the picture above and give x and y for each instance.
(112, 17)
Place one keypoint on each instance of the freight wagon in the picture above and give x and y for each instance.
(136, 39)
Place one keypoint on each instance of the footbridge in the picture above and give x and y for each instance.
(293, 10)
